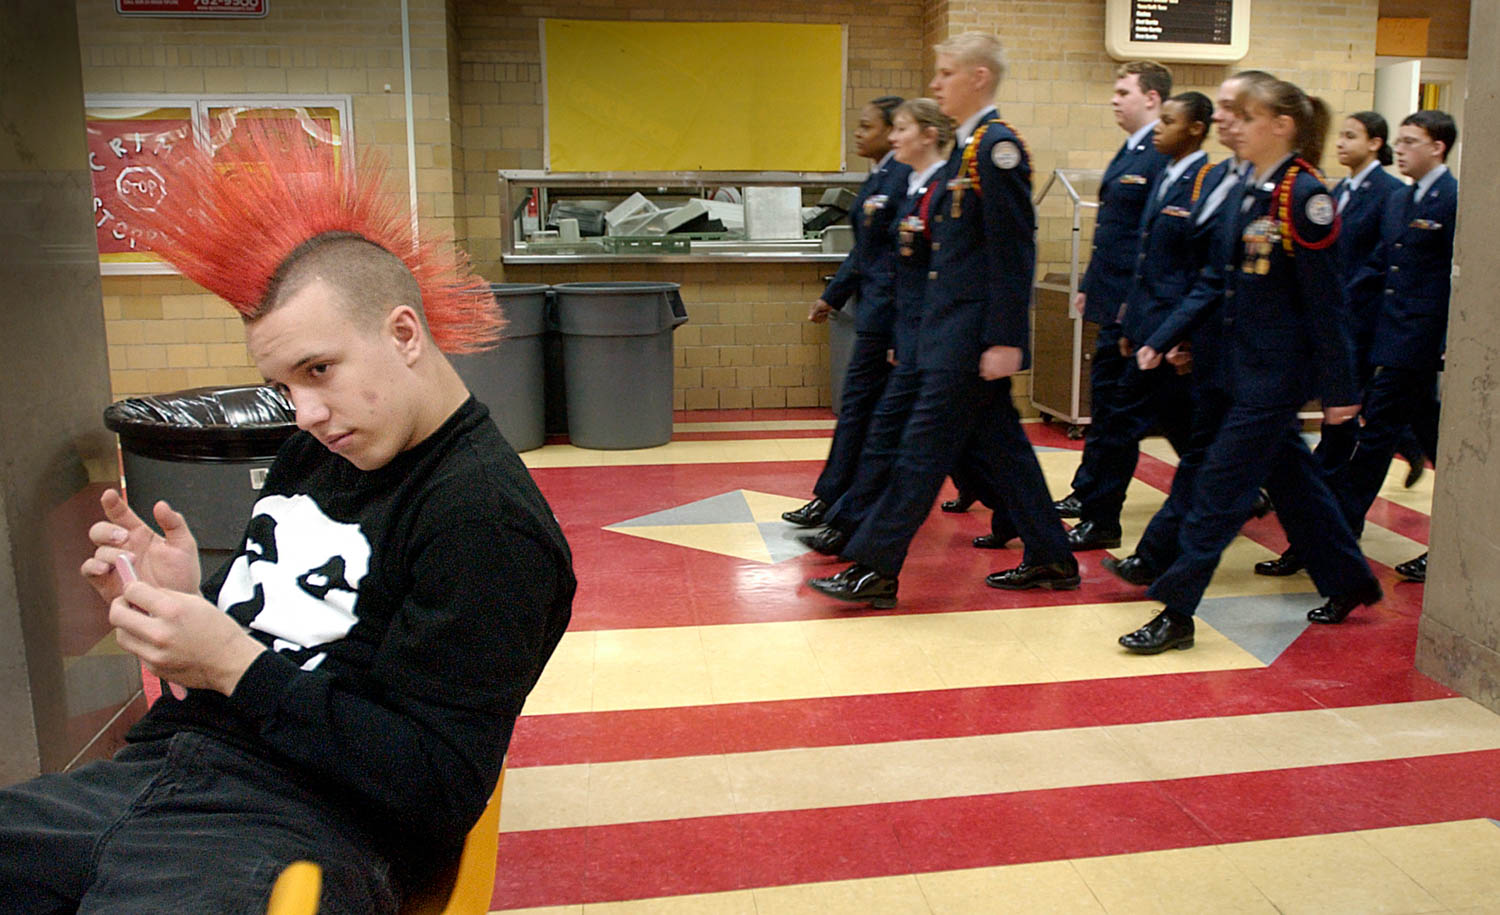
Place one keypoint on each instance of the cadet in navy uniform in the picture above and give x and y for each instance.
(1140, 88)
(869, 269)
(1415, 260)
(1286, 337)
(1363, 148)
(973, 337)
(1190, 336)
(1167, 263)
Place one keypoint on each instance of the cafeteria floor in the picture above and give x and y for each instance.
(712, 736)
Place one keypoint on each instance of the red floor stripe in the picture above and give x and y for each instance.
(758, 414)
(1363, 662)
(744, 436)
(715, 854)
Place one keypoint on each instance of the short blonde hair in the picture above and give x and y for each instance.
(976, 49)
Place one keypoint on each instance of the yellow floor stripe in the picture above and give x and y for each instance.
(617, 669)
(765, 425)
(1437, 867)
(553, 797)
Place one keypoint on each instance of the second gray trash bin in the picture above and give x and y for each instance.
(840, 348)
(510, 379)
(617, 361)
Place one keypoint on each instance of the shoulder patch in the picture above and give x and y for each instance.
(1320, 209)
(1006, 154)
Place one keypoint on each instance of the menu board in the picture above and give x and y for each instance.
(1191, 21)
(1188, 31)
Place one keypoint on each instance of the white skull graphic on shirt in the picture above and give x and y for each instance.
(298, 579)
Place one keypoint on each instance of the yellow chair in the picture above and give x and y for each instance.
(464, 889)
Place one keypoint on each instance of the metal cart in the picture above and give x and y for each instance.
(1059, 358)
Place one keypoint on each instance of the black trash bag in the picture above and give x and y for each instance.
(222, 424)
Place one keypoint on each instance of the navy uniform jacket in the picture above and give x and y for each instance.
(1359, 235)
(1286, 330)
(1198, 315)
(913, 259)
(1415, 258)
(1167, 260)
(870, 267)
(1123, 192)
(983, 260)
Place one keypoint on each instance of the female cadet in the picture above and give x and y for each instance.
(868, 269)
(1286, 338)
(1360, 199)
(920, 139)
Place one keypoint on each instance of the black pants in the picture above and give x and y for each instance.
(182, 825)
(950, 413)
(1143, 400)
(864, 382)
(1106, 371)
(1396, 398)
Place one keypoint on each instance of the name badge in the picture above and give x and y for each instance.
(1134, 179)
(960, 184)
(1424, 224)
(1179, 212)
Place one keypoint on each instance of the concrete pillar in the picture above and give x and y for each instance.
(1458, 642)
(63, 683)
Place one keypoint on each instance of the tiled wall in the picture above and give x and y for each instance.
(478, 104)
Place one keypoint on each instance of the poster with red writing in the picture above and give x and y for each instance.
(196, 9)
(128, 154)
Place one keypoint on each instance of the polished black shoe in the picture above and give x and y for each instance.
(1280, 567)
(1414, 473)
(860, 585)
(1069, 507)
(1413, 569)
(1340, 606)
(958, 506)
(1132, 570)
(1167, 630)
(809, 515)
(1262, 506)
(1057, 576)
(1091, 535)
(830, 541)
(992, 541)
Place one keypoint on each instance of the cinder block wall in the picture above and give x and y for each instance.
(478, 107)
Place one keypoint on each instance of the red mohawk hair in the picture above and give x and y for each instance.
(229, 227)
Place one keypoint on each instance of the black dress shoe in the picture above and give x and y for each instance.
(1280, 567)
(809, 515)
(1340, 606)
(830, 541)
(1132, 569)
(1262, 506)
(992, 541)
(1413, 569)
(1414, 474)
(958, 506)
(1091, 535)
(1168, 630)
(1068, 507)
(860, 585)
(1058, 576)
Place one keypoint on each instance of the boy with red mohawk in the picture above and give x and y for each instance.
(354, 673)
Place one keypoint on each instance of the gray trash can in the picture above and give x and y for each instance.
(511, 379)
(840, 347)
(204, 450)
(617, 361)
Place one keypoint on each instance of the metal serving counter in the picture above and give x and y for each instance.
(516, 186)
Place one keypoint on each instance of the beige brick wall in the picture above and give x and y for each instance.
(165, 333)
(479, 110)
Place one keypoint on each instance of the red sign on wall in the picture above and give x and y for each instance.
(206, 9)
(127, 156)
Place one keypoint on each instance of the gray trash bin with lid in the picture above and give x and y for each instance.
(840, 347)
(510, 379)
(617, 361)
(205, 451)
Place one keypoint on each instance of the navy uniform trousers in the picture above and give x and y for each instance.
(920, 431)
(1397, 400)
(864, 382)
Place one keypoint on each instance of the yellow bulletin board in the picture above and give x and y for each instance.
(693, 96)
